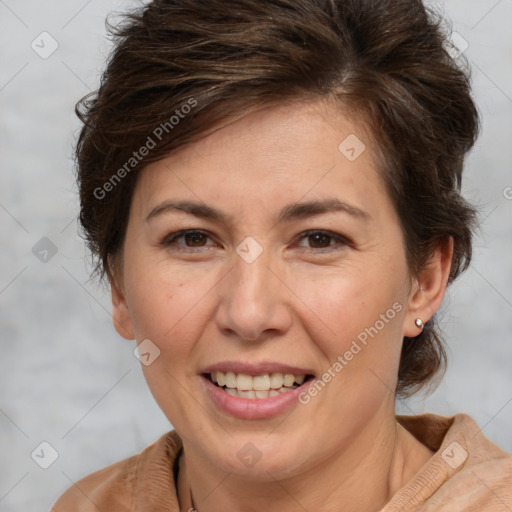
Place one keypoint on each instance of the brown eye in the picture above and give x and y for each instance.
(195, 239)
(319, 240)
(188, 239)
(322, 240)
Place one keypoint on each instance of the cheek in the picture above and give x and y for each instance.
(157, 299)
(348, 302)
(171, 307)
(172, 312)
(361, 347)
(358, 316)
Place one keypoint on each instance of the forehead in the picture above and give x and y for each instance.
(273, 155)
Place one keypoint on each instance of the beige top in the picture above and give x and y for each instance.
(467, 473)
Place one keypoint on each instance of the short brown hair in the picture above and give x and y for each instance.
(385, 60)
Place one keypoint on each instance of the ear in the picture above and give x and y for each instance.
(120, 314)
(428, 288)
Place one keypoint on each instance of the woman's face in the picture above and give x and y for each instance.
(267, 253)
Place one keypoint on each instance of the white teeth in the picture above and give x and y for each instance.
(276, 380)
(299, 379)
(261, 382)
(246, 394)
(220, 379)
(229, 379)
(243, 382)
(289, 380)
(244, 385)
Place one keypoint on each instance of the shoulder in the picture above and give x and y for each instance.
(114, 488)
(458, 431)
(480, 473)
(109, 488)
(467, 471)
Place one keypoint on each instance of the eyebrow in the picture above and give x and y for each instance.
(296, 211)
(293, 211)
(197, 209)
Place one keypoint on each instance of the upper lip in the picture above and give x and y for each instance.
(254, 369)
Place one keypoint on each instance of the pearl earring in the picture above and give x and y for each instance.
(419, 323)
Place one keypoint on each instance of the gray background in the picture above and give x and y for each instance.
(67, 378)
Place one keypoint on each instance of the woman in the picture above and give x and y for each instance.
(272, 189)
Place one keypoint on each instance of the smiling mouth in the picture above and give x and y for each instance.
(266, 385)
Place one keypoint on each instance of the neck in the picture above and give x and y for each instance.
(362, 478)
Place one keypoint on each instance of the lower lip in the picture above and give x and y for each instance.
(253, 408)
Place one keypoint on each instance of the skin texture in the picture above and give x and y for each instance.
(298, 303)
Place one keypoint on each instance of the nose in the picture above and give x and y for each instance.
(253, 302)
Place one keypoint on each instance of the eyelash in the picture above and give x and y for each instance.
(340, 241)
